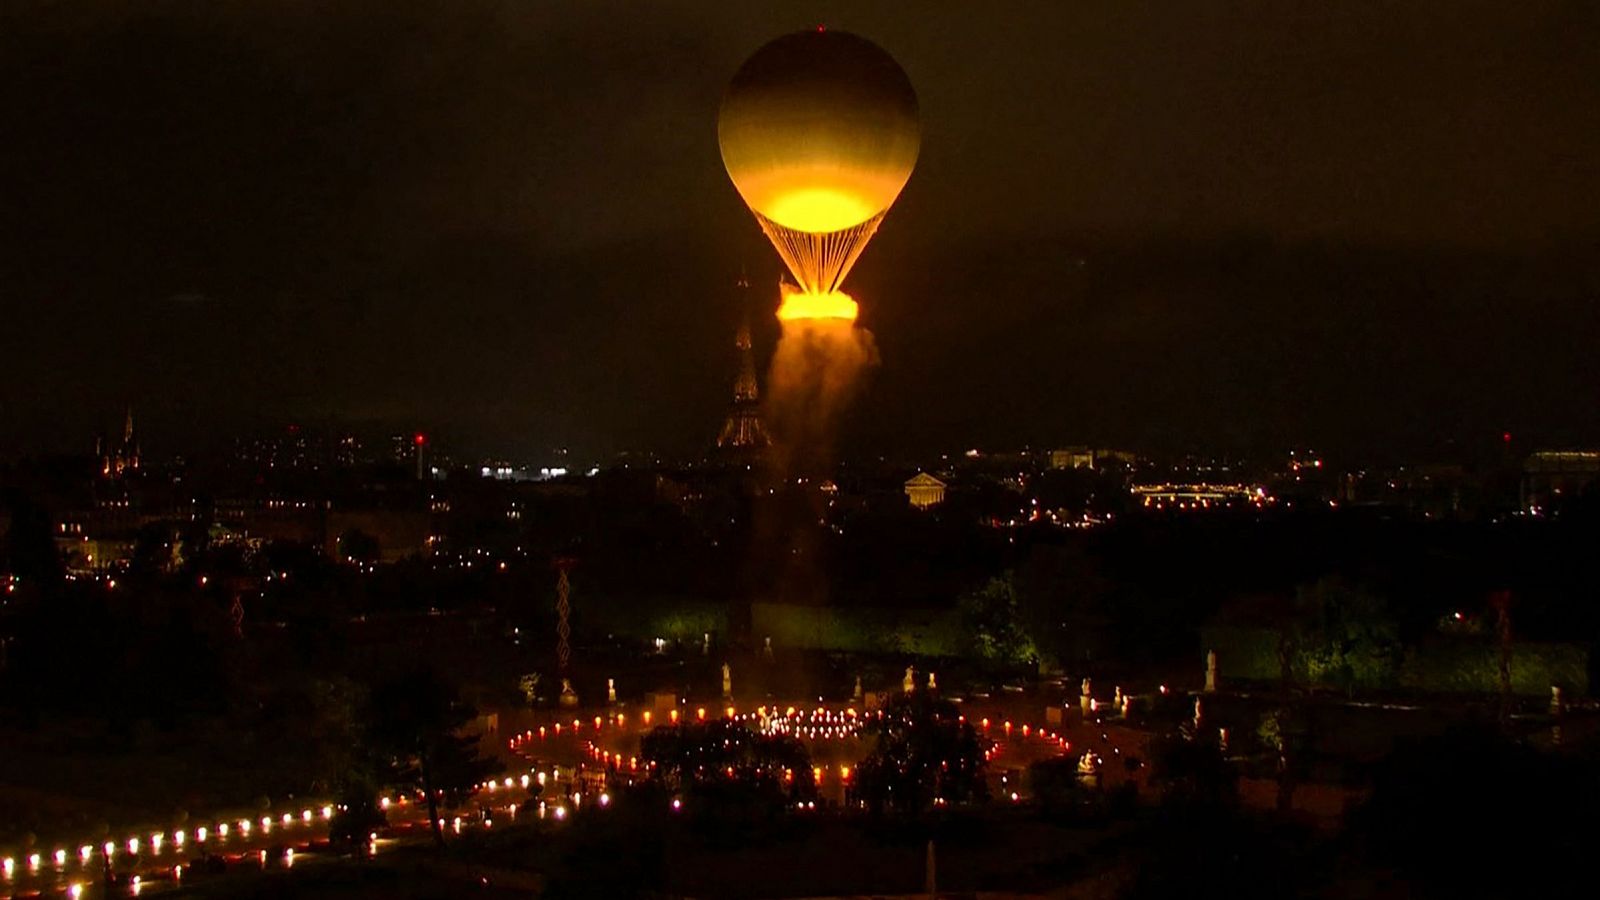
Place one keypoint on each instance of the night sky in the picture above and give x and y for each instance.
(1368, 227)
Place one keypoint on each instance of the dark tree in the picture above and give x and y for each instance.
(728, 770)
(417, 721)
(923, 752)
(993, 621)
(1344, 636)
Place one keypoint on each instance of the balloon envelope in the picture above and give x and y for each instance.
(819, 131)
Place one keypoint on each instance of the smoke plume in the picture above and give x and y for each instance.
(816, 370)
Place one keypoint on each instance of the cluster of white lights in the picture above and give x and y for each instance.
(817, 724)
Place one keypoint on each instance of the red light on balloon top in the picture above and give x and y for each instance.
(1505, 437)
(421, 439)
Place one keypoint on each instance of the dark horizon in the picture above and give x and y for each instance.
(511, 227)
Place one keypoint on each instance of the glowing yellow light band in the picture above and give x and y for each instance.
(800, 304)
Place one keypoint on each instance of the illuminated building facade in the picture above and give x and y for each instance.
(1090, 458)
(924, 491)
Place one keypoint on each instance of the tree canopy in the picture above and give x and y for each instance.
(417, 720)
(924, 753)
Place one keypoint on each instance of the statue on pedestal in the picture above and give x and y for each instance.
(1089, 770)
(569, 697)
(1211, 671)
(910, 682)
(727, 681)
(1558, 708)
(857, 695)
(611, 690)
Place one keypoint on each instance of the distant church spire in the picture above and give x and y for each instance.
(119, 458)
(743, 429)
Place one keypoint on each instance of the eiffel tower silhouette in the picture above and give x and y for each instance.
(743, 430)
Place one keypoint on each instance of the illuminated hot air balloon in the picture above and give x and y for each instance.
(819, 134)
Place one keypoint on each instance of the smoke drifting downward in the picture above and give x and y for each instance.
(815, 372)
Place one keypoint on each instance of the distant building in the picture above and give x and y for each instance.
(296, 449)
(1072, 458)
(1549, 476)
(410, 451)
(1089, 458)
(119, 458)
(925, 491)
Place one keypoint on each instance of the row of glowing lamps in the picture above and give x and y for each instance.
(157, 841)
(181, 838)
(834, 725)
(815, 723)
(818, 723)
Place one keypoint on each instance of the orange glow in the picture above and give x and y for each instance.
(799, 304)
(819, 209)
